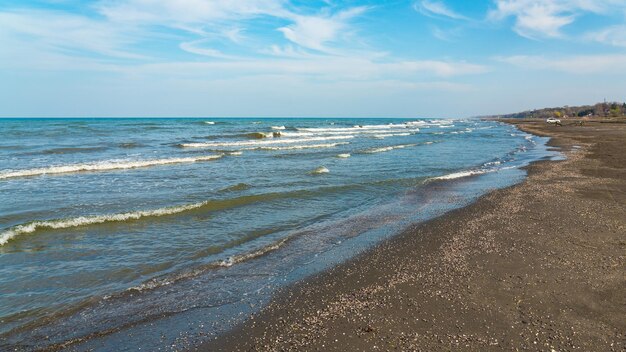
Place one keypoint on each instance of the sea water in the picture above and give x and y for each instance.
(117, 234)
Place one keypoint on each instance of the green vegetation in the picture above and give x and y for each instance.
(599, 110)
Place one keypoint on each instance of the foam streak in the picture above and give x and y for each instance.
(103, 166)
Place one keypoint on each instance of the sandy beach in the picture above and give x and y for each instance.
(538, 266)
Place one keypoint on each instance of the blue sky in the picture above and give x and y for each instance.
(439, 58)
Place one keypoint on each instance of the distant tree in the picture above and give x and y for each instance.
(615, 110)
(558, 114)
(600, 109)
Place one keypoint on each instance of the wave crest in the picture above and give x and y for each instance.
(103, 166)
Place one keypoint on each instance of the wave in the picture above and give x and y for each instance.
(389, 148)
(129, 145)
(209, 205)
(351, 132)
(385, 135)
(320, 170)
(102, 166)
(490, 167)
(353, 128)
(32, 227)
(226, 263)
(261, 143)
(209, 123)
(278, 127)
(259, 135)
(343, 156)
(305, 146)
(461, 174)
(70, 150)
(238, 187)
(236, 259)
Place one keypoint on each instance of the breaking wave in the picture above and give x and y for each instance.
(305, 146)
(209, 205)
(461, 174)
(389, 148)
(103, 166)
(320, 170)
(264, 142)
(34, 226)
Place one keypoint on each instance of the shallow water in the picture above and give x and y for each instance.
(171, 230)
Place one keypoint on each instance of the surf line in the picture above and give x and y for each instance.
(103, 166)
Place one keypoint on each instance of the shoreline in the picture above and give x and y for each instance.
(532, 266)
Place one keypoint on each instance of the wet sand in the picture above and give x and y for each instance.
(539, 266)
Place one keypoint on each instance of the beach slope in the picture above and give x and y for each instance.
(537, 266)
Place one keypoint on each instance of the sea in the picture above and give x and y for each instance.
(161, 234)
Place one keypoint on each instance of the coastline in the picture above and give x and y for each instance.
(537, 266)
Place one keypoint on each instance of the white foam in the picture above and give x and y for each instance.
(461, 174)
(416, 123)
(389, 148)
(103, 166)
(244, 257)
(31, 227)
(278, 127)
(386, 135)
(263, 142)
(230, 261)
(356, 129)
(320, 170)
(350, 131)
(209, 122)
(305, 146)
(343, 156)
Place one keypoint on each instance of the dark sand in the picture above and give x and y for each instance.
(540, 266)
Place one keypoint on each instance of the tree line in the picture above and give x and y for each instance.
(599, 110)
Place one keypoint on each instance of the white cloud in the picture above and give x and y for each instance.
(329, 68)
(61, 32)
(579, 64)
(446, 34)
(189, 11)
(614, 35)
(546, 18)
(215, 18)
(534, 17)
(437, 8)
(195, 47)
(314, 32)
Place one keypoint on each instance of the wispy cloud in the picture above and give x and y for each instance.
(316, 45)
(446, 34)
(436, 8)
(546, 18)
(167, 12)
(613, 35)
(543, 18)
(578, 64)
(67, 33)
(314, 32)
(317, 67)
